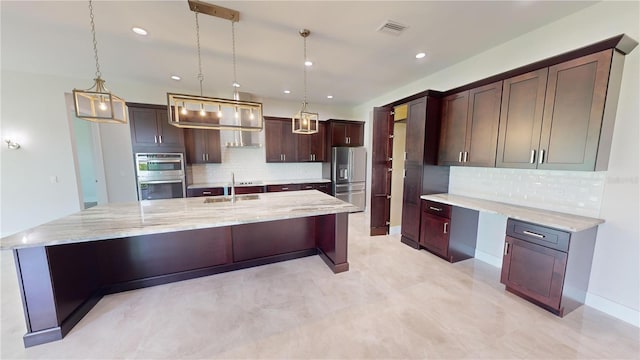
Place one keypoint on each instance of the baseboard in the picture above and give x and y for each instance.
(614, 309)
(395, 230)
(489, 259)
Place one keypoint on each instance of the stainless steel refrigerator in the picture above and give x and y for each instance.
(348, 173)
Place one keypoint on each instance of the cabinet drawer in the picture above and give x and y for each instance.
(283, 187)
(541, 235)
(436, 208)
(205, 192)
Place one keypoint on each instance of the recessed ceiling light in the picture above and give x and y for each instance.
(420, 55)
(329, 96)
(139, 31)
(308, 63)
(287, 91)
(176, 77)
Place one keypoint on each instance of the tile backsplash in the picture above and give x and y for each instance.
(574, 192)
(248, 164)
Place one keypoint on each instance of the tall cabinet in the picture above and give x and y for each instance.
(422, 175)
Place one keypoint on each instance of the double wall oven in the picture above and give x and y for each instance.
(160, 175)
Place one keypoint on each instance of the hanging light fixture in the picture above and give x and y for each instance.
(97, 103)
(202, 112)
(304, 122)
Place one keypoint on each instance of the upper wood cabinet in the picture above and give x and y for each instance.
(280, 141)
(151, 131)
(346, 133)
(561, 117)
(202, 146)
(470, 127)
(574, 111)
(521, 120)
(312, 148)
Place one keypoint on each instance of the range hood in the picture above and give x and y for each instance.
(244, 139)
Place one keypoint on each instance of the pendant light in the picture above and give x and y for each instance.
(304, 122)
(202, 112)
(97, 103)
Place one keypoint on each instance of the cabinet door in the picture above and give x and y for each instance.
(339, 134)
(284, 187)
(534, 270)
(355, 134)
(280, 141)
(304, 147)
(521, 120)
(416, 122)
(573, 110)
(453, 129)
(318, 145)
(144, 126)
(381, 155)
(324, 187)
(412, 190)
(483, 118)
(195, 146)
(169, 135)
(434, 234)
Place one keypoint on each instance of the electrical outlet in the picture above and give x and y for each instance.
(53, 179)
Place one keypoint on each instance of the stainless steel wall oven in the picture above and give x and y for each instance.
(160, 175)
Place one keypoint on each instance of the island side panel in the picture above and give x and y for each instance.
(264, 239)
(332, 235)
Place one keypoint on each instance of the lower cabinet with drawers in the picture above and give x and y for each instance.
(324, 187)
(546, 266)
(215, 191)
(448, 231)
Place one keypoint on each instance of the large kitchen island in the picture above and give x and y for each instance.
(64, 267)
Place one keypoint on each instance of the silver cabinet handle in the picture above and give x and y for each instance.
(506, 248)
(466, 156)
(405, 155)
(539, 236)
(533, 157)
(404, 173)
(155, 139)
(285, 188)
(445, 227)
(435, 208)
(207, 157)
(206, 193)
(160, 137)
(388, 197)
(284, 157)
(203, 157)
(541, 159)
(460, 156)
(389, 169)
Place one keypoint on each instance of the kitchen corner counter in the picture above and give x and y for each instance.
(558, 220)
(167, 215)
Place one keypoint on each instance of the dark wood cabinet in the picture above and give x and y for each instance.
(521, 120)
(448, 231)
(216, 191)
(573, 113)
(284, 187)
(421, 176)
(547, 266)
(253, 189)
(313, 147)
(202, 146)
(280, 141)
(381, 166)
(470, 127)
(151, 131)
(323, 187)
(346, 133)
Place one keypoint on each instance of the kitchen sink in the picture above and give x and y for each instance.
(217, 199)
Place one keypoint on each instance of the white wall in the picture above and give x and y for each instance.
(615, 277)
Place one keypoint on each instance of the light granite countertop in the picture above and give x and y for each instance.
(558, 220)
(116, 220)
(257, 183)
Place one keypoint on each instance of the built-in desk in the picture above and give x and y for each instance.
(547, 255)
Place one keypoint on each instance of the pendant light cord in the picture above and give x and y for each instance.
(305, 73)
(233, 47)
(200, 76)
(95, 42)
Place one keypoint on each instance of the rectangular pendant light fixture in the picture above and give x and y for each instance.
(201, 112)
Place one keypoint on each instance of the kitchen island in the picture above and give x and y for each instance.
(65, 266)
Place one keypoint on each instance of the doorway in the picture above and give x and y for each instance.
(87, 154)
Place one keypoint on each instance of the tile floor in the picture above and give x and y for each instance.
(395, 302)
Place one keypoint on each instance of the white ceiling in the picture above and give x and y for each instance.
(352, 61)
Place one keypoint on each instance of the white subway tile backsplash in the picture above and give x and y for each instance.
(573, 192)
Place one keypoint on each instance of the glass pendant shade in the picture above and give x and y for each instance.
(201, 112)
(97, 104)
(304, 122)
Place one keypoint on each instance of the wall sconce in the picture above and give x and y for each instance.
(12, 145)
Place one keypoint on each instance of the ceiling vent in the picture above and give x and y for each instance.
(392, 27)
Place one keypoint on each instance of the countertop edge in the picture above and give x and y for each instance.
(514, 212)
(261, 183)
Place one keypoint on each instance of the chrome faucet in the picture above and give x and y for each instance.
(233, 188)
